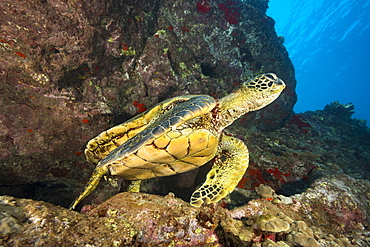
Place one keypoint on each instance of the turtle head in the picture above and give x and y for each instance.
(261, 90)
(250, 96)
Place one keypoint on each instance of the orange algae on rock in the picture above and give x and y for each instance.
(140, 106)
(20, 54)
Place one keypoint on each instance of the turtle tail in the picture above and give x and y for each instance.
(91, 185)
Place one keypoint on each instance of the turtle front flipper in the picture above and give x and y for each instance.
(224, 175)
(98, 173)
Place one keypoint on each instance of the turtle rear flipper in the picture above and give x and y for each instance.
(224, 175)
(98, 173)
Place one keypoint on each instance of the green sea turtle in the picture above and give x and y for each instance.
(181, 134)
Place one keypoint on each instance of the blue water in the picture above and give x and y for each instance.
(329, 44)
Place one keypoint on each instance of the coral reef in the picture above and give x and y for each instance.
(265, 191)
(302, 235)
(270, 223)
(71, 69)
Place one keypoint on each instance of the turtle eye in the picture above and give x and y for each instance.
(271, 76)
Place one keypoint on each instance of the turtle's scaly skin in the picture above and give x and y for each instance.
(181, 134)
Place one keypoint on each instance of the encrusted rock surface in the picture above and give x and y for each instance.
(44, 224)
(337, 201)
(166, 220)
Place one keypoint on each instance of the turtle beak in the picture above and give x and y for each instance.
(279, 82)
(279, 85)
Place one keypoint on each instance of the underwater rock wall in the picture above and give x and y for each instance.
(71, 69)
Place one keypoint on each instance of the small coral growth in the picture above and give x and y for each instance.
(340, 110)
